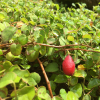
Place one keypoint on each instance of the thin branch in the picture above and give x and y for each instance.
(78, 49)
(60, 46)
(46, 78)
(90, 91)
(34, 43)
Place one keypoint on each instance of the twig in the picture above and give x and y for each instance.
(78, 49)
(53, 46)
(34, 43)
(46, 78)
(90, 91)
(61, 46)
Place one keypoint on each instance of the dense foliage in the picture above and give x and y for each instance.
(40, 33)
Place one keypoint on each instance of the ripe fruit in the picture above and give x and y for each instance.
(68, 66)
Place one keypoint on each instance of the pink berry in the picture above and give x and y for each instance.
(68, 66)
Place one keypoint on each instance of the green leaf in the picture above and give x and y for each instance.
(7, 65)
(52, 67)
(16, 49)
(80, 73)
(98, 9)
(30, 81)
(1, 53)
(60, 25)
(43, 50)
(73, 80)
(37, 47)
(70, 38)
(93, 83)
(10, 56)
(26, 66)
(51, 40)
(24, 20)
(25, 76)
(42, 20)
(31, 54)
(53, 85)
(23, 39)
(7, 79)
(2, 26)
(87, 97)
(6, 24)
(89, 63)
(50, 51)
(21, 84)
(63, 94)
(51, 19)
(8, 33)
(71, 96)
(60, 79)
(24, 28)
(3, 92)
(41, 37)
(77, 89)
(26, 92)
(57, 6)
(21, 73)
(2, 17)
(13, 67)
(56, 98)
(36, 77)
(62, 41)
(37, 98)
(65, 30)
(96, 56)
(87, 36)
(42, 93)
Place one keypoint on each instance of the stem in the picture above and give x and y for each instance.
(46, 78)
(15, 90)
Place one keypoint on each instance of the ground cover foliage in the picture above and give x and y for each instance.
(35, 37)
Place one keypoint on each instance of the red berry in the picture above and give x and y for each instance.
(68, 66)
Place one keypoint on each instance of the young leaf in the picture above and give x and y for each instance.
(70, 38)
(87, 36)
